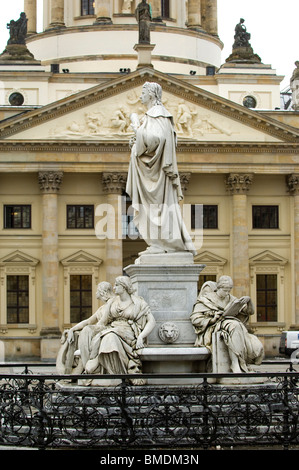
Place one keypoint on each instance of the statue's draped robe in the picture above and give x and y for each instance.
(153, 184)
(207, 318)
(114, 347)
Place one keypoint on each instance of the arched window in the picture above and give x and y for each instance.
(87, 7)
(165, 10)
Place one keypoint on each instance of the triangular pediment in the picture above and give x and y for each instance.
(209, 258)
(18, 258)
(267, 257)
(102, 113)
(81, 258)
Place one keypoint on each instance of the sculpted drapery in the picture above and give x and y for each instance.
(153, 182)
(216, 310)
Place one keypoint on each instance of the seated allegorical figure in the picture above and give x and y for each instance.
(125, 324)
(109, 341)
(76, 342)
(216, 310)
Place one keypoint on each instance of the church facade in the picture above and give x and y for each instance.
(66, 222)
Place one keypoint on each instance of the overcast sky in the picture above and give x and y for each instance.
(273, 26)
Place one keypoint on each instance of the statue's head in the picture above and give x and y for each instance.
(126, 283)
(154, 90)
(104, 290)
(224, 286)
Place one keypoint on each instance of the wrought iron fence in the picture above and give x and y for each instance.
(48, 411)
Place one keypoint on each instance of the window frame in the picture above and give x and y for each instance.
(205, 207)
(77, 207)
(13, 207)
(266, 305)
(265, 206)
(80, 290)
(89, 8)
(18, 291)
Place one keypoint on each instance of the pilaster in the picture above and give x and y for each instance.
(57, 14)
(50, 182)
(238, 185)
(114, 184)
(292, 182)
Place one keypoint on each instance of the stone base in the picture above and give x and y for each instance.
(174, 361)
(144, 54)
(244, 55)
(17, 53)
(170, 289)
(49, 347)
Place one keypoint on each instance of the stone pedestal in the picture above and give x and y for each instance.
(144, 54)
(169, 284)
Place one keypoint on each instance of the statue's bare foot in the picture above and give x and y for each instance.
(91, 365)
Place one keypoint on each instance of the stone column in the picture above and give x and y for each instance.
(293, 188)
(102, 11)
(57, 14)
(50, 182)
(30, 10)
(194, 14)
(238, 185)
(210, 12)
(156, 10)
(114, 185)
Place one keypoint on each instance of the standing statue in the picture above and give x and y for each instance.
(18, 30)
(143, 17)
(153, 182)
(216, 310)
(241, 36)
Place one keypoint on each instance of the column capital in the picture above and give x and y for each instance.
(50, 181)
(184, 179)
(114, 182)
(238, 183)
(293, 184)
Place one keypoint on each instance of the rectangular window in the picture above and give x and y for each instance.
(17, 299)
(80, 216)
(265, 217)
(165, 10)
(266, 297)
(87, 7)
(205, 216)
(80, 297)
(204, 278)
(17, 216)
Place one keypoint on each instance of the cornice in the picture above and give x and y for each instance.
(170, 84)
(192, 146)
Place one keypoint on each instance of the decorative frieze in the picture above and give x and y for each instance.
(238, 183)
(50, 181)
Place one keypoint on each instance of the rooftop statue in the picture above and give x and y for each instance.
(153, 182)
(18, 30)
(216, 310)
(241, 36)
(143, 16)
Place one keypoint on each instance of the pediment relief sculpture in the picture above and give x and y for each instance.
(112, 119)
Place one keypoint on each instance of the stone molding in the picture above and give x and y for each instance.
(238, 183)
(114, 182)
(50, 181)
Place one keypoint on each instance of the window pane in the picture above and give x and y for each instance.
(17, 298)
(265, 217)
(266, 297)
(80, 297)
(17, 216)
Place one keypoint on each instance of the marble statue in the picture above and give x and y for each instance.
(153, 182)
(110, 342)
(241, 35)
(78, 338)
(143, 17)
(18, 30)
(216, 310)
(294, 83)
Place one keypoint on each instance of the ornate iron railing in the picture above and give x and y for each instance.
(51, 411)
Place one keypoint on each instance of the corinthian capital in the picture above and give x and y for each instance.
(50, 181)
(293, 184)
(114, 182)
(238, 183)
